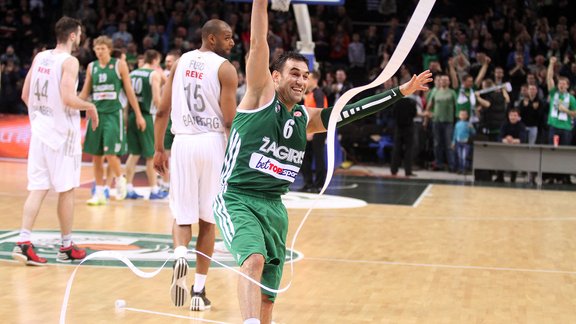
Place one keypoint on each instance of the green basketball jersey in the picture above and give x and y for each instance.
(265, 149)
(106, 86)
(142, 84)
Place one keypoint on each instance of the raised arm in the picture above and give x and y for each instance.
(127, 85)
(550, 73)
(482, 72)
(228, 85)
(259, 84)
(453, 76)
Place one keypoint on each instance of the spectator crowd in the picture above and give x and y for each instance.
(527, 44)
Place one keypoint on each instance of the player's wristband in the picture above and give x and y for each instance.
(363, 108)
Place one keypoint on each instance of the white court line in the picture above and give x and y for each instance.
(8, 234)
(172, 315)
(427, 265)
(422, 195)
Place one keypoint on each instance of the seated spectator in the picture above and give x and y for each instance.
(513, 131)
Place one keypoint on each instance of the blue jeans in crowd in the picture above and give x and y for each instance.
(442, 141)
(463, 153)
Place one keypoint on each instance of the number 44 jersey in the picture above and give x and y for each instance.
(196, 94)
(51, 121)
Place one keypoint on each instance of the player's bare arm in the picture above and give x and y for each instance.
(26, 86)
(68, 91)
(156, 87)
(259, 85)
(228, 84)
(318, 117)
(87, 88)
(161, 122)
(127, 85)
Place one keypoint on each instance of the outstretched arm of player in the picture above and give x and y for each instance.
(259, 84)
(228, 85)
(68, 91)
(365, 107)
(127, 85)
(160, 124)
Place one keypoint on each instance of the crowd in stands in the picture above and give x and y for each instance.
(499, 41)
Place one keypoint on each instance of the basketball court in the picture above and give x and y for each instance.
(434, 254)
(375, 250)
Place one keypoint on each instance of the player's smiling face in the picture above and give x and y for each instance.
(292, 82)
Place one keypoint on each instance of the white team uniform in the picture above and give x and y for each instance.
(55, 146)
(200, 142)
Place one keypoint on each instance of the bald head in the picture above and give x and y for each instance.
(214, 27)
(217, 37)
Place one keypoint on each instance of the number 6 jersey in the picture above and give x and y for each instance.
(196, 93)
(265, 149)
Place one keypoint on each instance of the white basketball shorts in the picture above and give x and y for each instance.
(52, 169)
(195, 165)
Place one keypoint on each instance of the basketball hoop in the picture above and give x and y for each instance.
(281, 5)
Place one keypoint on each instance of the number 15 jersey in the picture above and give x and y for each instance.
(196, 94)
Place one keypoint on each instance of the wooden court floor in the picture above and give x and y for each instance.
(462, 255)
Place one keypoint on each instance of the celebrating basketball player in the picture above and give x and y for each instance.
(264, 154)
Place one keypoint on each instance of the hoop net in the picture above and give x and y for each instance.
(281, 5)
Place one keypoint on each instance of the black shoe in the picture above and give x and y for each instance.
(306, 188)
(199, 301)
(499, 180)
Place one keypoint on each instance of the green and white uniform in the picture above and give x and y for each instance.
(109, 136)
(141, 142)
(264, 154)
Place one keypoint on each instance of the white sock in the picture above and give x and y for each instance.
(99, 191)
(66, 240)
(155, 189)
(129, 187)
(252, 321)
(180, 252)
(199, 282)
(25, 235)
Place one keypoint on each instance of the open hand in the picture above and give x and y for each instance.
(418, 82)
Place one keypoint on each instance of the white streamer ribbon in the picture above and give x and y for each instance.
(408, 39)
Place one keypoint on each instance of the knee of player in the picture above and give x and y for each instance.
(254, 262)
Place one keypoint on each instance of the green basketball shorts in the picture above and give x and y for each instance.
(140, 142)
(254, 225)
(109, 136)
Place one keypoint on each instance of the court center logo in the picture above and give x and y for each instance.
(144, 250)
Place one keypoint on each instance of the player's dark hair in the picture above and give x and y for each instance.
(64, 27)
(279, 63)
